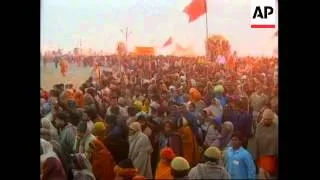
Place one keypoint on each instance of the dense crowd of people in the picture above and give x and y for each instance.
(162, 117)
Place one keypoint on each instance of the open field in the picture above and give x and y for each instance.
(51, 75)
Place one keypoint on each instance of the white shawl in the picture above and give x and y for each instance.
(140, 150)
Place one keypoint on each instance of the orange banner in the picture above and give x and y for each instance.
(144, 51)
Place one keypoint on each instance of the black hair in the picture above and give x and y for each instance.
(91, 110)
(91, 91)
(141, 118)
(82, 126)
(54, 93)
(62, 115)
(238, 135)
(75, 117)
(126, 163)
(115, 110)
(111, 119)
(132, 111)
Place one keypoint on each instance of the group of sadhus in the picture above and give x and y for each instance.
(171, 126)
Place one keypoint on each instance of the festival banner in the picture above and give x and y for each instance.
(144, 51)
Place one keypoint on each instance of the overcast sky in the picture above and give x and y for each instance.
(98, 24)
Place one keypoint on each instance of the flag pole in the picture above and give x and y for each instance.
(207, 35)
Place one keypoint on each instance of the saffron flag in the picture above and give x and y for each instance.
(195, 9)
(167, 43)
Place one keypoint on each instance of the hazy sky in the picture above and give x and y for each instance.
(98, 24)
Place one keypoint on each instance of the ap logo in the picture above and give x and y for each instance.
(263, 13)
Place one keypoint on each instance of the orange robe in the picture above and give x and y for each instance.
(79, 99)
(268, 163)
(189, 145)
(163, 171)
(102, 162)
(63, 67)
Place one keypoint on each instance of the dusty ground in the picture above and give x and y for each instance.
(50, 75)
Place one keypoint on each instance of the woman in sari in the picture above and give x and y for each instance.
(101, 160)
(51, 166)
(189, 143)
(82, 169)
(52, 170)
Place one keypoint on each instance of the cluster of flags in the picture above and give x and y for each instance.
(194, 10)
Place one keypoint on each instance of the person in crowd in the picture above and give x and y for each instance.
(125, 170)
(223, 140)
(140, 150)
(113, 103)
(189, 143)
(212, 132)
(229, 111)
(100, 131)
(93, 114)
(266, 143)
(180, 168)
(83, 140)
(85, 117)
(169, 137)
(88, 99)
(123, 106)
(243, 123)
(45, 134)
(78, 96)
(164, 169)
(81, 167)
(211, 168)
(145, 129)
(51, 166)
(132, 115)
(178, 98)
(67, 137)
(101, 160)
(219, 94)
(47, 122)
(216, 109)
(52, 170)
(239, 162)
(257, 100)
(145, 105)
(116, 139)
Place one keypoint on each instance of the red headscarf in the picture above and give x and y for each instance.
(167, 153)
(52, 169)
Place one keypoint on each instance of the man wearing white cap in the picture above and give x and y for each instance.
(211, 168)
(140, 150)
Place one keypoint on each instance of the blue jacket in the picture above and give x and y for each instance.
(179, 99)
(239, 164)
(223, 100)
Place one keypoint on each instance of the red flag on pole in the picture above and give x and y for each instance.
(167, 43)
(195, 9)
